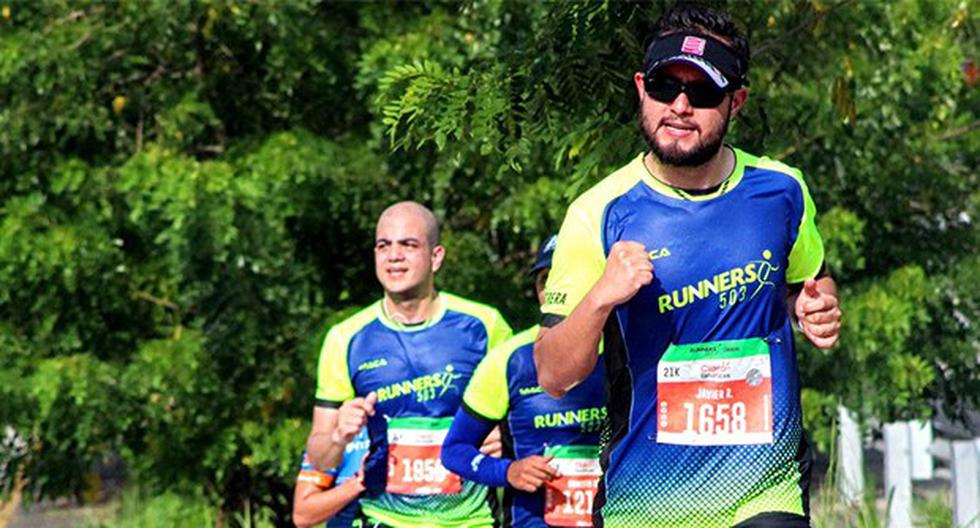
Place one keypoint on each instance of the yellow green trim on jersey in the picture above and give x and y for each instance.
(333, 372)
(721, 265)
(579, 246)
(729, 183)
(580, 259)
(487, 392)
(807, 255)
(396, 520)
(498, 330)
(388, 321)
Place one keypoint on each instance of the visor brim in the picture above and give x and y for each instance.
(709, 70)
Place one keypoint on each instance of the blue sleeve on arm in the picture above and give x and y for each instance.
(461, 451)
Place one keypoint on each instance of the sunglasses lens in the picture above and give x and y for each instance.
(704, 95)
(663, 90)
(699, 94)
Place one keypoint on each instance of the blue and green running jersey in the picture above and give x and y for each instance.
(419, 373)
(354, 455)
(505, 389)
(704, 391)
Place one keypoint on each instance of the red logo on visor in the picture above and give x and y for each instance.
(693, 45)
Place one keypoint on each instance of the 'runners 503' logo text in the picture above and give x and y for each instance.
(729, 287)
(589, 419)
(425, 388)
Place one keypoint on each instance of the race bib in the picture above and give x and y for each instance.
(716, 393)
(568, 499)
(414, 465)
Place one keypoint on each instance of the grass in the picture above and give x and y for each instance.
(135, 509)
(161, 511)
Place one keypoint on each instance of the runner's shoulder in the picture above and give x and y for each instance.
(770, 165)
(504, 351)
(616, 184)
(363, 317)
(484, 312)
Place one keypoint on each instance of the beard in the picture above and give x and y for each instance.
(673, 155)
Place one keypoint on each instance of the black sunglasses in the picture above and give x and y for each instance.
(701, 94)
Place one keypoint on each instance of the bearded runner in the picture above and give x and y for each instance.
(704, 386)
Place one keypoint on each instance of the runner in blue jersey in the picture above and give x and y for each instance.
(550, 468)
(400, 366)
(692, 261)
(331, 496)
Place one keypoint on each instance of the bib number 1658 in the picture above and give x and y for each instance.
(711, 418)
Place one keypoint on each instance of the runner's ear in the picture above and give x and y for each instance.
(438, 254)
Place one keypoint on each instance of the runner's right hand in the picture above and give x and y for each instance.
(353, 416)
(528, 474)
(628, 268)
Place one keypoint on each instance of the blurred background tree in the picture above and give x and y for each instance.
(188, 192)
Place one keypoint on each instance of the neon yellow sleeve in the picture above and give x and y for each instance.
(807, 255)
(497, 328)
(578, 262)
(333, 375)
(487, 393)
(499, 332)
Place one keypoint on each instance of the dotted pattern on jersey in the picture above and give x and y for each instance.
(469, 503)
(662, 485)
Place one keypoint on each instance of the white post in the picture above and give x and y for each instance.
(920, 439)
(898, 475)
(965, 485)
(850, 458)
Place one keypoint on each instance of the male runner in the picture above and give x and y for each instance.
(331, 496)
(400, 366)
(550, 468)
(690, 260)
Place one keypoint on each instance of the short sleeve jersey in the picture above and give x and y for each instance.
(417, 371)
(354, 455)
(505, 389)
(722, 262)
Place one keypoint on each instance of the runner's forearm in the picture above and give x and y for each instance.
(566, 353)
(324, 452)
(316, 506)
(461, 452)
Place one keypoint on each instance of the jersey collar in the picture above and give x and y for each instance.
(676, 193)
(402, 327)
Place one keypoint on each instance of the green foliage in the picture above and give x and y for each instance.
(844, 242)
(160, 511)
(830, 511)
(188, 194)
(933, 511)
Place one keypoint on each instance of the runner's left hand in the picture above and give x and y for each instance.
(528, 474)
(492, 446)
(819, 315)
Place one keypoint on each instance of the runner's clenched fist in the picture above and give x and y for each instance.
(352, 417)
(628, 268)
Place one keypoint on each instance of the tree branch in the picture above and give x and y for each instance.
(163, 303)
(957, 132)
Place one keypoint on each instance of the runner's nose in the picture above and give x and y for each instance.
(681, 105)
